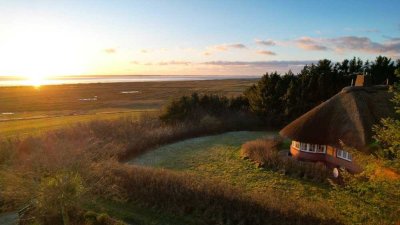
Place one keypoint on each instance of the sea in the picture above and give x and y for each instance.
(58, 80)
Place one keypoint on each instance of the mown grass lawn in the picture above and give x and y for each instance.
(218, 158)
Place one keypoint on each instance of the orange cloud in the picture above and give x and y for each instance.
(266, 52)
(110, 50)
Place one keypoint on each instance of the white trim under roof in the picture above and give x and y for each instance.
(310, 148)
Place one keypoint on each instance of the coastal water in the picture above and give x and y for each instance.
(17, 81)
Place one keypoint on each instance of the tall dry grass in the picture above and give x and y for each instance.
(212, 202)
(83, 161)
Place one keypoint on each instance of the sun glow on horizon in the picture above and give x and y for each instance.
(38, 51)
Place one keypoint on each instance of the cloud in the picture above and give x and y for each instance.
(280, 63)
(310, 44)
(372, 30)
(110, 50)
(366, 30)
(259, 67)
(162, 63)
(226, 47)
(233, 67)
(266, 52)
(283, 63)
(350, 43)
(265, 42)
(364, 44)
(236, 46)
(173, 62)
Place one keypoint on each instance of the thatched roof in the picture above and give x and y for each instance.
(347, 117)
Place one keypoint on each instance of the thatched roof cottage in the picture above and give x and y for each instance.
(345, 119)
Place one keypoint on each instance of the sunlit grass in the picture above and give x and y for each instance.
(218, 157)
(36, 126)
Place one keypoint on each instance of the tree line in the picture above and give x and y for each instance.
(278, 98)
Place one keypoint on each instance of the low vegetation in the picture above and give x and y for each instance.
(37, 170)
(369, 198)
(75, 174)
(149, 95)
(198, 107)
(57, 174)
(265, 153)
(214, 203)
(36, 126)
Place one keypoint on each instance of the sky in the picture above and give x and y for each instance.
(192, 37)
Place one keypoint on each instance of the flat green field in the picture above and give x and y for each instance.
(27, 110)
(218, 157)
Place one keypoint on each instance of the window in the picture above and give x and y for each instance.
(321, 149)
(304, 147)
(296, 144)
(343, 155)
(312, 148)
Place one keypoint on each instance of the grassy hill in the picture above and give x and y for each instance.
(217, 158)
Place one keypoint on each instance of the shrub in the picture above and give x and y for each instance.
(264, 152)
(261, 151)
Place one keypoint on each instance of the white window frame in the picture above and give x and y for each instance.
(310, 148)
(302, 145)
(342, 154)
(321, 147)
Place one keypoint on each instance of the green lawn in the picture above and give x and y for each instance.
(217, 157)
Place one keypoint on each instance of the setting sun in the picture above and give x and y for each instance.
(35, 80)
(39, 50)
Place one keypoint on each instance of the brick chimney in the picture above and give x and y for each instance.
(362, 81)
